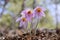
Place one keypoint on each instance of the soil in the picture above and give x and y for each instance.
(45, 34)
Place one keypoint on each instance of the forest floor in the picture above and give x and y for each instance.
(45, 34)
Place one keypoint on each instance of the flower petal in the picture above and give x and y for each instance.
(43, 9)
(18, 19)
(42, 14)
(21, 24)
(23, 12)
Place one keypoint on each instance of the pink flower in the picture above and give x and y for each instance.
(23, 22)
(39, 12)
(28, 14)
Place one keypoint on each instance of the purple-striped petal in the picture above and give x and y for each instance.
(42, 14)
(39, 12)
(28, 14)
(18, 19)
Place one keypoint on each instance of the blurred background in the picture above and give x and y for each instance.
(10, 10)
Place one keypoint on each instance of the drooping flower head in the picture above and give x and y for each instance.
(39, 12)
(28, 14)
(23, 22)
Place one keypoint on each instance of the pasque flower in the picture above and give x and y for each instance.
(28, 14)
(39, 12)
(23, 22)
(32, 16)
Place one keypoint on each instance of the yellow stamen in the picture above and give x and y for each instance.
(29, 12)
(23, 19)
(38, 9)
